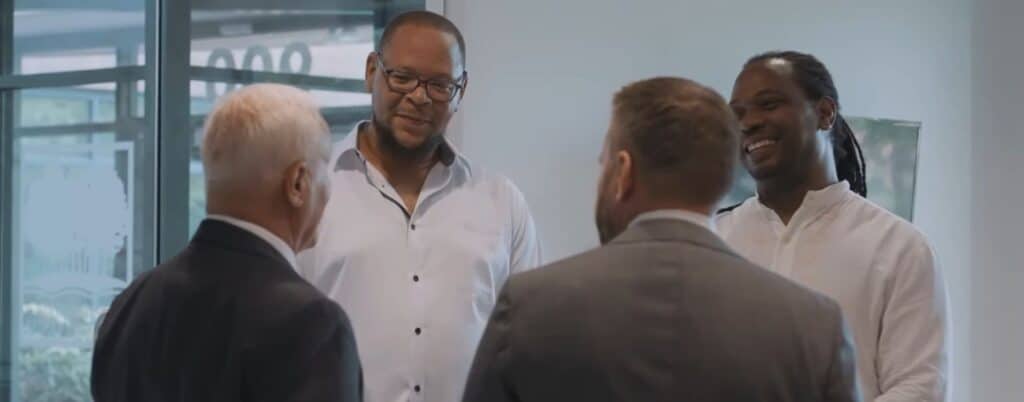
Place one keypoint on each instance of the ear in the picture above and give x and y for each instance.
(625, 175)
(827, 110)
(297, 183)
(371, 70)
(462, 92)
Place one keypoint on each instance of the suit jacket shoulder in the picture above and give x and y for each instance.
(651, 314)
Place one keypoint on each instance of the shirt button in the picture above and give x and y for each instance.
(416, 388)
(415, 278)
(418, 331)
(413, 226)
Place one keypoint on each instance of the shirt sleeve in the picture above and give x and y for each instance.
(526, 251)
(913, 350)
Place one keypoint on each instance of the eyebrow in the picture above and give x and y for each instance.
(766, 92)
(759, 94)
(429, 77)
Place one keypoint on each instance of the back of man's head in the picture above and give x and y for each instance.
(254, 134)
(683, 137)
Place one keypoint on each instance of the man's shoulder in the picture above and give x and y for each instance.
(725, 276)
(250, 277)
(589, 270)
(568, 267)
(557, 284)
(884, 222)
(482, 177)
(491, 185)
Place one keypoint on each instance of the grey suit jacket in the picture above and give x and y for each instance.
(665, 312)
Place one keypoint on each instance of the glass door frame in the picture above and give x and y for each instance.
(8, 327)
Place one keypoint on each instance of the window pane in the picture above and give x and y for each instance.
(83, 35)
(81, 189)
(76, 200)
(311, 45)
(71, 263)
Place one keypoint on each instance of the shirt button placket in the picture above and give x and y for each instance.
(416, 251)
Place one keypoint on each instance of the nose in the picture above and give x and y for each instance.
(750, 124)
(419, 95)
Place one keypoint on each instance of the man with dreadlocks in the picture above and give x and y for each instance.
(811, 223)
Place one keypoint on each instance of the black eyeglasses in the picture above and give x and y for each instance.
(438, 90)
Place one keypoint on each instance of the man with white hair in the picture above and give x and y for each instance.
(229, 319)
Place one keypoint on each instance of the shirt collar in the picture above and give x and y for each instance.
(276, 242)
(816, 202)
(677, 214)
(348, 148)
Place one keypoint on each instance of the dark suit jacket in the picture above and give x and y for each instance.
(665, 312)
(228, 319)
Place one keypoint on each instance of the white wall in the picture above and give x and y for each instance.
(542, 74)
(998, 277)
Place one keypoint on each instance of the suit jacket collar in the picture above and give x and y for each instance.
(672, 230)
(214, 233)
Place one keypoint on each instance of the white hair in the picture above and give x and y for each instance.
(254, 134)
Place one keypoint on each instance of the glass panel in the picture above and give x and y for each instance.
(311, 38)
(71, 264)
(51, 108)
(79, 209)
(81, 188)
(81, 35)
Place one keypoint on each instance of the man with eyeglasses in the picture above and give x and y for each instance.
(416, 241)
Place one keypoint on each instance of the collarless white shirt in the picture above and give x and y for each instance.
(878, 267)
(259, 231)
(418, 288)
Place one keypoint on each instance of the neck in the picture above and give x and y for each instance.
(785, 194)
(256, 215)
(677, 206)
(405, 169)
(651, 204)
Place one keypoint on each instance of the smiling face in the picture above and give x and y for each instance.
(414, 120)
(780, 125)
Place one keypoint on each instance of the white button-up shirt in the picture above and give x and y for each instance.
(880, 270)
(418, 288)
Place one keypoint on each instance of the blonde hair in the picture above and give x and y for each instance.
(253, 134)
